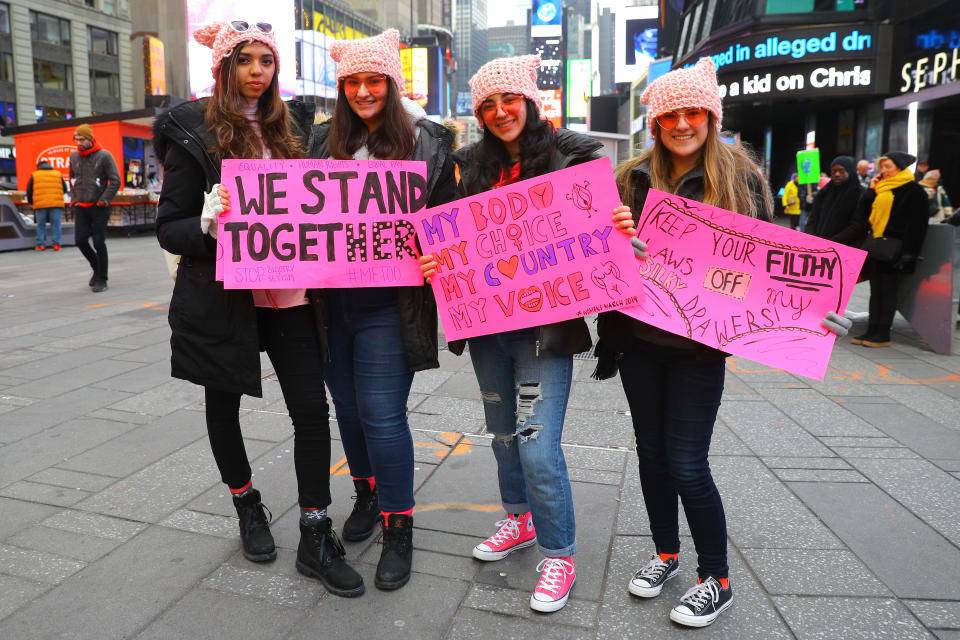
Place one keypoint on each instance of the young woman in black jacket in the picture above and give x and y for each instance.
(217, 334)
(525, 375)
(380, 336)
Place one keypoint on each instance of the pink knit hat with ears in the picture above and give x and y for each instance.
(506, 75)
(688, 88)
(379, 54)
(222, 38)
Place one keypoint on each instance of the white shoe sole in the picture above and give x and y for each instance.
(489, 556)
(698, 621)
(553, 605)
(650, 592)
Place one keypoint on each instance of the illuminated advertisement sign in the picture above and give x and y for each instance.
(552, 100)
(278, 13)
(154, 67)
(635, 41)
(318, 72)
(579, 87)
(546, 18)
(548, 75)
(805, 80)
(422, 69)
(928, 52)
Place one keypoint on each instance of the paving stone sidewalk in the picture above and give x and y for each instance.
(842, 496)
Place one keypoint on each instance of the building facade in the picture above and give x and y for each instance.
(469, 46)
(509, 40)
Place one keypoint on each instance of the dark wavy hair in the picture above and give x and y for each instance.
(235, 138)
(490, 159)
(392, 140)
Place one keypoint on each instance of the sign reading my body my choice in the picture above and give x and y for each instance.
(534, 252)
(743, 286)
(320, 223)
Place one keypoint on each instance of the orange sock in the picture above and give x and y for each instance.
(724, 582)
(241, 489)
(666, 556)
(371, 480)
(386, 514)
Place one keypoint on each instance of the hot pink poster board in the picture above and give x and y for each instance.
(740, 285)
(532, 253)
(297, 224)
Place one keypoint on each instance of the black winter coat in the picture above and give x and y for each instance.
(570, 336)
(214, 339)
(418, 308)
(833, 208)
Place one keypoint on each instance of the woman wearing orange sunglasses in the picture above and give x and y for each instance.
(673, 385)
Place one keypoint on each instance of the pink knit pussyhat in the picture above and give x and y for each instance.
(688, 88)
(379, 54)
(506, 75)
(222, 38)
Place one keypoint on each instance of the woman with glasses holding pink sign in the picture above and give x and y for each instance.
(673, 384)
(380, 336)
(217, 334)
(525, 375)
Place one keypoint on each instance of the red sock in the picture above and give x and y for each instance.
(724, 582)
(371, 481)
(666, 556)
(386, 514)
(241, 489)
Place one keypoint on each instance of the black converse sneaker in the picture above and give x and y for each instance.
(701, 605)
(648, 582)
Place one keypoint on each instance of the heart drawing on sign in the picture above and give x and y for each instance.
(508, 267)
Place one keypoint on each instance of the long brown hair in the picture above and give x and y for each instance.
(392, 140)
(235, 138)
(725, 168)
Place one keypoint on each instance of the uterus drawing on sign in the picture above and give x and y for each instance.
(582, 197)
(607, 277)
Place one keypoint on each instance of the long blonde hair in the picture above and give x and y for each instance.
(726, 169)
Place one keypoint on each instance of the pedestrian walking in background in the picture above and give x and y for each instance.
(217, 334)
(893, 214)
(94, 182)
(673, 384)
(937, 198)
(921, 171)
(863, 174)
(525, 375)
(791, 201)
(380, 336)
(836, 203)
(45, 194)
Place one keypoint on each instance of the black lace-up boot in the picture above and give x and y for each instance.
(254, 527)
(321, 555)
(393, 570)
(366, 511)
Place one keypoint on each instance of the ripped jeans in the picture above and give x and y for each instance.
(525, 401)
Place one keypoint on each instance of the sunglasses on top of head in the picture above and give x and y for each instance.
(241, 26)
(670, 119)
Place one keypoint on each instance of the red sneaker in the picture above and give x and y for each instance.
(56, 247)
(39, 247)
(514, 533)
(557, 576)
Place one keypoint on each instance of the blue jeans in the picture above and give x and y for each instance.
(54, 215)
(369, 381)
(674, 395)
(524, 402)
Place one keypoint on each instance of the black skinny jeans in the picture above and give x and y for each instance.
(91, 222)
(674, 398)
(289, 336)
(884, 284)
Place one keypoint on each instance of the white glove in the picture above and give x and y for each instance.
(212, 207)
(837, 324)
(639, 247)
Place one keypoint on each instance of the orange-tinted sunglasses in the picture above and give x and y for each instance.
(374, 84)
(509, 102)
(670, 119)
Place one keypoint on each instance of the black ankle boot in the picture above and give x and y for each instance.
(321, 555)
(366, 511)
(254, 528)
(393, 570)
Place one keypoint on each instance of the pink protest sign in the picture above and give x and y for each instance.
(741, 285)
(320, 224)
(534, 252)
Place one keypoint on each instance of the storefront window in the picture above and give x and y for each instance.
(4, 17)
(49, 29)
(6, 67)
(810, 6)
(133, 165)
(8, 111)
(52, 75)
(53, 114)
(102, 41)
(104, 83)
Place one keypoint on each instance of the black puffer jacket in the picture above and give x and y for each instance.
(418, 308)
(834, 205)
(570, 336)
(215, 340)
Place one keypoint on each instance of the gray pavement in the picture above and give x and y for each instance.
(842, 496)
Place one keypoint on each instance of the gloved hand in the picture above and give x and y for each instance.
(639, 247)
(212, 207)
(837, 324)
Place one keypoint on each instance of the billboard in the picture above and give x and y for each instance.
(546, 18)
(154, 67)
(548, 75)
(279, 13)
(552, 100)
(579, 87)
(635, 41)
(423, 78)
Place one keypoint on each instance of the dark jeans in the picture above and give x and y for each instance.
(92, 222)
(369, 382)
(674, 398)
(884, 283)
(289, 336)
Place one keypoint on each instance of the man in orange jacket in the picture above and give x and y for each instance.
(45, 194)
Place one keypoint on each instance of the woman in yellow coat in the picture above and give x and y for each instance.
(791, 201)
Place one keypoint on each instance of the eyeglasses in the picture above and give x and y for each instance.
(241, 26)
(510, 103)
(374, 83)
(670, 119)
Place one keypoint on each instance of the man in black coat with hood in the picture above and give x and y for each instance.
(836, 203)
